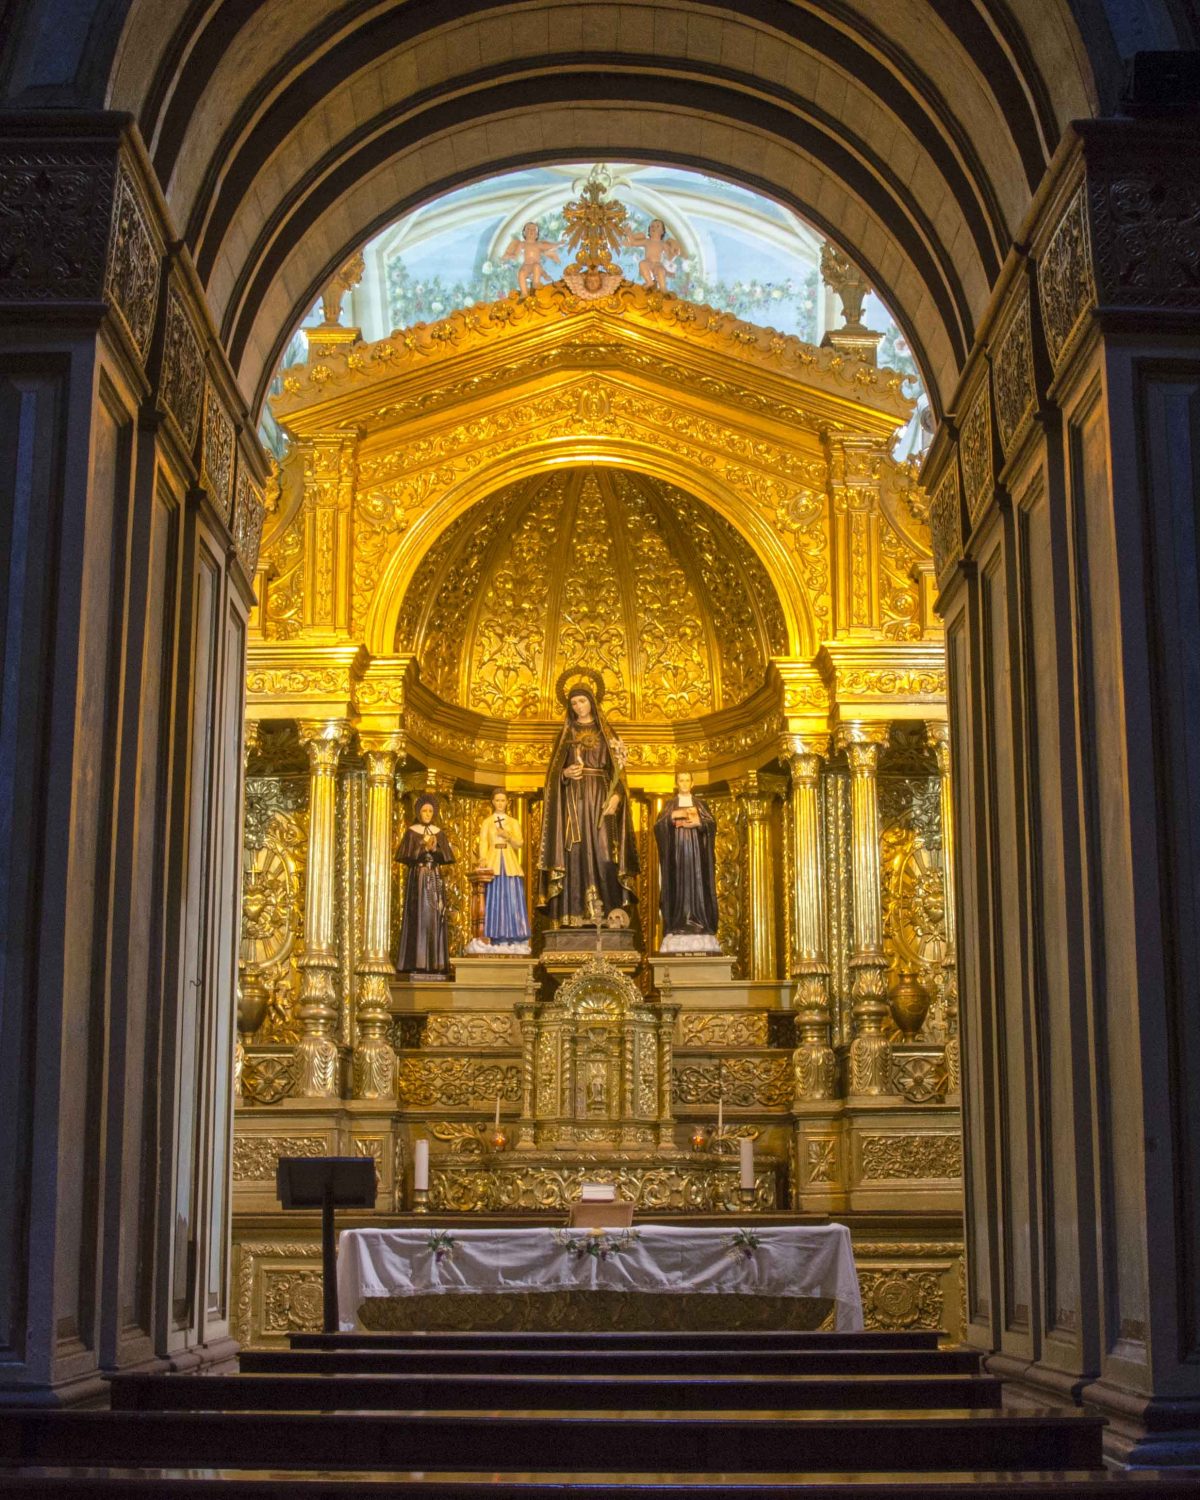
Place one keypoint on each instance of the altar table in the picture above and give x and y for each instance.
(779, 1261)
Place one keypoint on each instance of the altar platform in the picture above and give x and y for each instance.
(652, 1275)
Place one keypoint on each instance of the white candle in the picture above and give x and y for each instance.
(746, 1162)
(720, 1113)
(497, 1111)
(421, 1166)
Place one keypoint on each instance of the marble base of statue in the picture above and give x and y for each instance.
(690, 942)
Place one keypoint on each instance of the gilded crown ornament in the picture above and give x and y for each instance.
(596, 233)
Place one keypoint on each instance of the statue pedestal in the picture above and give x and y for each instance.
(564, 949)
(484, 983)
(704, 982)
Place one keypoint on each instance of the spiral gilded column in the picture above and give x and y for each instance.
(814, 1059)
(870, 1050)
(316, 1051)
(374, 1065)
(939, 738)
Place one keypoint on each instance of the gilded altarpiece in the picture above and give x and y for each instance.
(703, 514)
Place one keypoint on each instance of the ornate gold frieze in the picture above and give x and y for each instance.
(723, 1028)
(455, 1082)
(470, 1029)
(255, 1157)
(888, 1157)
(508, 1186)
(744, 1082)
(285, 1302)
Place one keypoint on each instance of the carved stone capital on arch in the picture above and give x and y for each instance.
(324, 740)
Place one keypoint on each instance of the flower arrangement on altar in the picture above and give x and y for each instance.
(601, 1244)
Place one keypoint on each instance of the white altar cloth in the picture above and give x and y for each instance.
(780, 1261)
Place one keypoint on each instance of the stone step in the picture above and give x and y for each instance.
(713, 1441)
(650, 1339)
(576, 1391)
(698, 1361)
(225, 1484)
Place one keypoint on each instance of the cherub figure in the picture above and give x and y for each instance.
(529, 250)
(661, 257)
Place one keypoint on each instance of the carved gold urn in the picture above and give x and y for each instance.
(908, 1000)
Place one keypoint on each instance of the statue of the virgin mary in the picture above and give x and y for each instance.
(587, 859)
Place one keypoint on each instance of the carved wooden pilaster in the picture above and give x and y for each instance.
(755, 797)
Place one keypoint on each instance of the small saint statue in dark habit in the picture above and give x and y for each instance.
(686, 833)
(424, 932)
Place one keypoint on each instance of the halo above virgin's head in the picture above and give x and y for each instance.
(577, 677)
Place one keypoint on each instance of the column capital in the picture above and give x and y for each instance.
(803, 754)
(937, 732)
(862, 743)
(324, 739)
(380, 752)
(756, 792)
(253, 734)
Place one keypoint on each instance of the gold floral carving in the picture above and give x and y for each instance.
(900, 599)
(887, 682)
(1012, 374)
(293, 1301)
(247, 1328)
(455, 1082)
(913, 892)
(55, 222)
(131, 280)
(247, 522)
(592, 628)
(216, 468)
(300, 682)
(723, 1028)
(820, 1159)
(482, 1028)
(975, 449)
(731, 879)
(274, 856)
(511, 1185)
(283, 561)
(1147, 232)
(255, 1157)
(896, 1297)
(181, 389)
(745, 1082)
(945, 521)
(899, 1157)
(1066, 283)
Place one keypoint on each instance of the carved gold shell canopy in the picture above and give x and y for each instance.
(601, 565)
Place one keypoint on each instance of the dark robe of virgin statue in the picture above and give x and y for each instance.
(587, 860)
(686, 832)
(424, 931)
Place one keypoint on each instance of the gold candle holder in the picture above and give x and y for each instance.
(420, 1200)
(746, 1198)
(699, 1139)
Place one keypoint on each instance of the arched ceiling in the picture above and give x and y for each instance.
(285, 132)
(596, 565)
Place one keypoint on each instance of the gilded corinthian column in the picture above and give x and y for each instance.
(815, 1062)
(316, 1052)
(755, 799)
(939, 738)
(374, 1066)
(870, 1051)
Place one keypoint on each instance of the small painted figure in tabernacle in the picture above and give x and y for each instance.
(505, 920)
(686, 834)
(661, 257)
(424, 930)
(529, 250)
(587, 862)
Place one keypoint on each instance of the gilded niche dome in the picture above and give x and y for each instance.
(596, 566)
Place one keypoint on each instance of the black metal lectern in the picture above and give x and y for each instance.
(327, 1182)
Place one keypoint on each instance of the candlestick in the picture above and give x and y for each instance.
(421, 1166)
(746, 1164)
